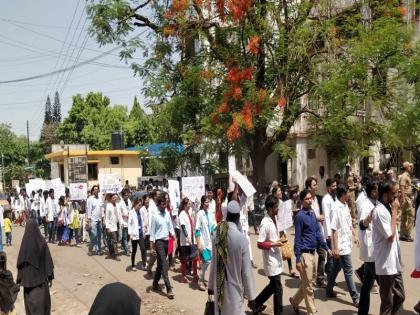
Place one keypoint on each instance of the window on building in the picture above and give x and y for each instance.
(115, 160)
(311, 154)
(62, 172)
(93, 171)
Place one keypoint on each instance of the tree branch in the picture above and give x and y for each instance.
(146, 22)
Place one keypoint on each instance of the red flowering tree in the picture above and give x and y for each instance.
(237, 70)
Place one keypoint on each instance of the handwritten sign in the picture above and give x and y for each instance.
(78, 191)
(243, 182)
(110, 183)
(193, 187)
(284, 216)
(174, 194)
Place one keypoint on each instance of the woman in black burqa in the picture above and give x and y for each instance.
(35, 271)
(116, 299)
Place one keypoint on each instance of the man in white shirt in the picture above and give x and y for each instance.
(153, 209)
(124, 209)
(386, 249)
(328, 202)
(365, 211)
(112, 218)
(95, 214)
(342, 237)
(269, 242)
(51, 215)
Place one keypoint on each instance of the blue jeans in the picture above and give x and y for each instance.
(367, 284)
(9, 238)
(124, 239)
(95, 237)
(344, 261)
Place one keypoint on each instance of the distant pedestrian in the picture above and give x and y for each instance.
(35, 271)
(160, 231)
(135, 230)
(95, 214)
(407, 210)
(8, 228)
(112, 219)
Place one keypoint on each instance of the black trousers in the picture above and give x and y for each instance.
(367, 284)
(274, 288)
(162, 264)
(391, 290)
(141, 244)
(37, 300)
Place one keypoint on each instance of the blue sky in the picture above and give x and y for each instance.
(35, 38)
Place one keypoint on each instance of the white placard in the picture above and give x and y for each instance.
(231, 168)
(284, 216)
(174, 195)
(193, 187)
(110, 183)
(78, 191)
(30, 188)
(37, 183)
(57, 185)
(244, 183)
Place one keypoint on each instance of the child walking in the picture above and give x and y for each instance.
(8, 288)
(8, 228)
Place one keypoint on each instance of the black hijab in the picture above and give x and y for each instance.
(8, 288)
(115, 299)
(35, 265)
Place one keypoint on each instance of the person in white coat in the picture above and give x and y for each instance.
(124, 207)
(136, 232)
(51, 215)
(112, 219)
(204, 227)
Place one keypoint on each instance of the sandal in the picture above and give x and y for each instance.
(293, 274)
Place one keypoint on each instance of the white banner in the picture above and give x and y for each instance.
(110, 183)
(244, 183)
(174, 195)
(78, 191)
(193, 187)
(284, 216)
(30, 188)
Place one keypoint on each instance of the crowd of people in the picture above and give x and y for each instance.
(214, 232)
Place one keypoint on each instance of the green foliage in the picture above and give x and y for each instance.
(56, 109)
(91, 120)
(305, 47)
(48, 117)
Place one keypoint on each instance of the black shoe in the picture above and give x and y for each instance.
(331, 295)
(157, 288)
(259, 309)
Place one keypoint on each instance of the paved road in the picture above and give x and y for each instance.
(79, 278)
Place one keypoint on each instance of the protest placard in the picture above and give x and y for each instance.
(57, 185)
(30, 188)
(78, 191)
(110, 183)
(243, 182)
(284, 216)
(193, 187)
(231, 168)
(37, 183)
(174, 195)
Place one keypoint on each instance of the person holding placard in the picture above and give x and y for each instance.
(112, 218)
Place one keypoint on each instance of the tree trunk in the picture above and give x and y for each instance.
(258, 167)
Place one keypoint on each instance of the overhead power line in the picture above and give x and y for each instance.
(37, 25)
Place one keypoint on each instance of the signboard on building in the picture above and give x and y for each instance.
(77, 168)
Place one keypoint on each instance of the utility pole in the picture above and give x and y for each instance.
(27, 134)
(2, 172)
